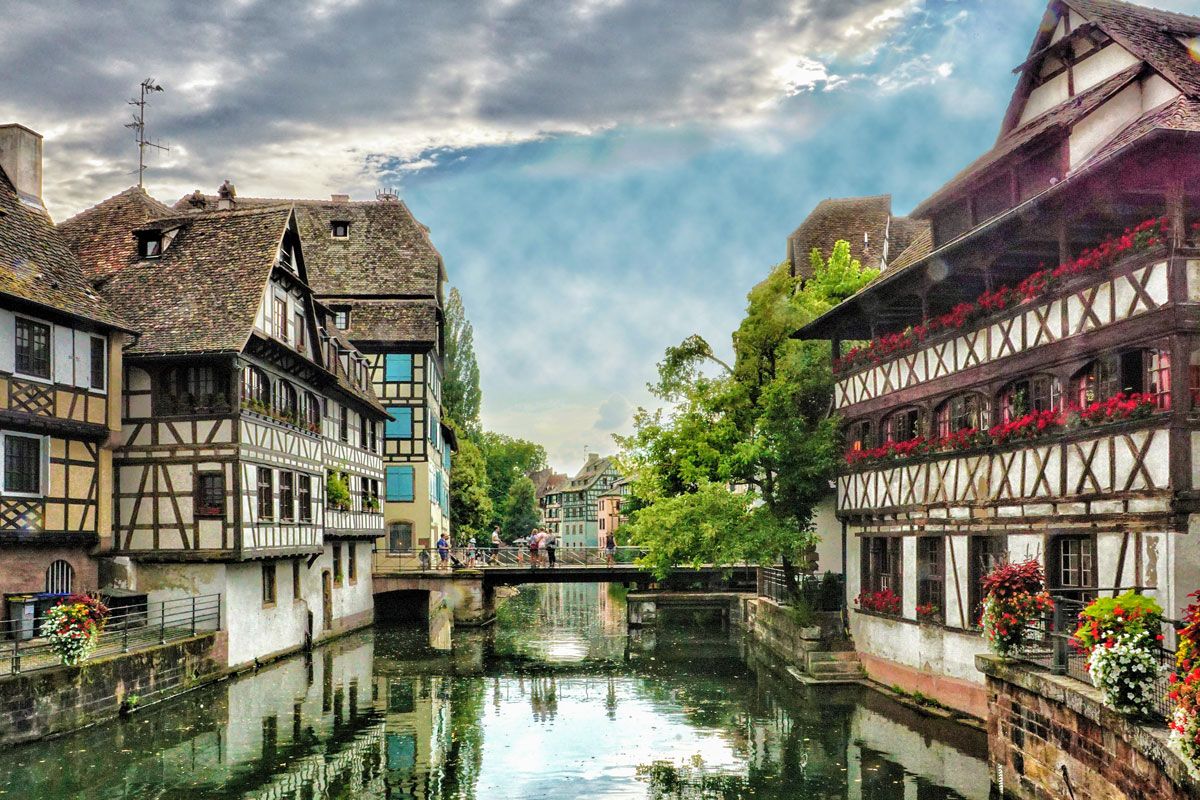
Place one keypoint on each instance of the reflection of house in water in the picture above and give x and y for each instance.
(564, 623)
(416, 710)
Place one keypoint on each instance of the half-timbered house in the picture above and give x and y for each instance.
(374, 266)
(249, 459)
(1024, 380)
(60, 368)
(580, 503)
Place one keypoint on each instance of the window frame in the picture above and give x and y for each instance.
(98, 345)
(1087, 566)
(297, 590)
(42, 472)
(304, 497)
(351, 564)
(339, 224)
(962, 411)
(401, 470)
(32, 325)
(887, 429)
(67, 569)
(337, 564)
(287, 485)
(270, 588)
(931, 573)
(267, 500)
(203, 494)
(279, 317)
(886, 552)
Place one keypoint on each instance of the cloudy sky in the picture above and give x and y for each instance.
(603, 177)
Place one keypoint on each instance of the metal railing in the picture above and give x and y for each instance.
(430, 558)
(23, 648)
(1050, 643)
(825, 592)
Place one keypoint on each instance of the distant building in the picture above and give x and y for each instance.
(875, 236)
(60, 380)
(548, 486)
(580, 501)
(609, 512)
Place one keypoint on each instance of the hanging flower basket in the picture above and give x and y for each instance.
(73, 627)
(1016, 597)
(1185, 691)
(1122, 639)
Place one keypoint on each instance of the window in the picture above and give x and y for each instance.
(279, 318)
(398, 367)
(304, 496)
(343, 423)
(960, 412)
(337, 564)
(255, 386)
(268, 583)
(298, 330)
(985, 554)
(341, 318)
(351, 563)
(372, 437)
(434, 431)
(399, 486)
(99, 363)
(33, 348)
(22, 464)
(150, 244)
(400, 537)
(266, 488)
(210, 494)
(1073, 567)
(881, 557)
(1099, 380)
(297, 592)
(60, 577)
(312, 412)
(285, 401)
(858, 435)
(400, 425)
(1156, 368)
(339, 229)
(184, 390)
(931, 574)
(1036, 393)
(287, 496)
(362, 431)
(902, 425)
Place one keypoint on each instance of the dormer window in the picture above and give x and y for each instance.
(339, 229)
(150, 244)
(341, 318)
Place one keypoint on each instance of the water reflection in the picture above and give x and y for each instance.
(555, 702)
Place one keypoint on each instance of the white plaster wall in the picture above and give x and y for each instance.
(927, 648)
(1102, 65)
(829, 531)
(1096, 128)
(256, 631)
(1044, 98)
(1157, 90)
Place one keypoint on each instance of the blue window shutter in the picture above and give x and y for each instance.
(400, 484)
(400, 425)
(398, 367)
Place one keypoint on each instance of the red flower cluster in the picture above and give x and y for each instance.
(885, 601)
(1146, 234)
(1185, 680)
(1119, 407)
(1009, 580)
(928, 612)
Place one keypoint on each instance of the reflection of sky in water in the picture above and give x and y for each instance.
(555, 702)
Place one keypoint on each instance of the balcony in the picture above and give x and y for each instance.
(1120, 470)
(1008, 322)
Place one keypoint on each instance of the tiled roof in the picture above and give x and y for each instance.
(414, 321)
(1058, 118)
(1149, 34)
(101, 236)
(865, 223)
(920, 247)
(203, 293)
(37, 265)
(387, 252)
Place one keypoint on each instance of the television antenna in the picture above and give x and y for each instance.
(138, 125)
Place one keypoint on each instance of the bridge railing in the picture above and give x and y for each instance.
(825, 592)
(430, 558)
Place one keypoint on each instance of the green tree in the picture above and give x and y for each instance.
(461, 395)
(521, 511)
(471, 510)
(734, 467)
(507, 459)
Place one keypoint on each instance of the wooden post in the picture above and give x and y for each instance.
(1175, 216)
(1064, 241)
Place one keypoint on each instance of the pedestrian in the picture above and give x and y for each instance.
(471, 552)
(610, 549)
(443, 548)
(533, 547)
(496, 543)
(551, 542)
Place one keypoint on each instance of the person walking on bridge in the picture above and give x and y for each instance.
(551, 543)
(497, 543)
(610, 549)
(443, 548)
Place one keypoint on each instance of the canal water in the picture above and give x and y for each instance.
(558, 700)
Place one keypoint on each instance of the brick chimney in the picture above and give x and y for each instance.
(340, 198)
(21, 160)
(225, 196)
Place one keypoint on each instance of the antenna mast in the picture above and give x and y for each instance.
(138, 125)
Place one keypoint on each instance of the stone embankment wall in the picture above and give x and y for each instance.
(1052, 737)
(776, 628)
(34, 705)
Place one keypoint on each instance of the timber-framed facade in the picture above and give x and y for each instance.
(999, 406)
(60, 368)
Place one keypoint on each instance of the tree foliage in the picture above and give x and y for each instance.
(521, 510)
(734, 466)
(471, 508)
(461, 394)
(507, 459)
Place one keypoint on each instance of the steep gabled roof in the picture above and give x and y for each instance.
(36, 264)
(387, 253)
(203, 293)
(410, 321)
(102, 236)
(1150, 34)
(865, 223)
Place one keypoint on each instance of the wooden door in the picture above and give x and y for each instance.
(327, 599)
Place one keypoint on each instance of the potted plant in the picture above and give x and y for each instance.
(1016, 596)
(929, 613)
(73, 626)
(1121, 636)
(884, 601)
(371, 503)
(337, 492)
